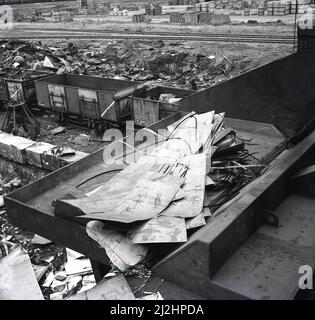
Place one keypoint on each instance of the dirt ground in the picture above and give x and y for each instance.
(284, 26)
(273, 25)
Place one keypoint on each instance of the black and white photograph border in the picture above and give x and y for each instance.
(157, 150)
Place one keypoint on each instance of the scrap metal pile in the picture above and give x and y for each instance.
(142, 61)
(19, 74)
(46, 271)
(159, 197)
(194, 166)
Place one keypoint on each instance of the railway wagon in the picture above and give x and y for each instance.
(101, 100)
(17, 85)
(90, 98)
(151, 105)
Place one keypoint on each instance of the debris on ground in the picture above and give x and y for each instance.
(82, 139)
(129, 60)
(151, 296)
(17, 277)
(57, 130)
(80, 266)
(38, 240)
(116, 288)
(47, 156)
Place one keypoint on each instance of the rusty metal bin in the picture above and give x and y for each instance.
(17, 85)
(82, 95)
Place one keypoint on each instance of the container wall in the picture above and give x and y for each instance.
(105, 100)
(57, 98)
(145, 112)
(280, 93)
(89, 104)
(72, 97)
(42, 94)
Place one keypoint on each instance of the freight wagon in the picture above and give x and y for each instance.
(17, 85)
(101, 101)
(151, 105)
(86, 98)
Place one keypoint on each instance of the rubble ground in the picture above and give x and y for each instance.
(170, 63)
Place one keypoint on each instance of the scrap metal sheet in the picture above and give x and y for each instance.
(121, 251)
(17, 278)
(192, 204)
(160, 230)
(195, 130)
(114, 190)
(196, 222)
(148, 198)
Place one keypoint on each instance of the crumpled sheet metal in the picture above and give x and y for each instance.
(150, 196)
(161, 229)
(120, 250)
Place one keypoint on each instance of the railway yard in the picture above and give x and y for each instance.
(218, 187)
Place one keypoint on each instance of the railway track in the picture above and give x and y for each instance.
(36, 34)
